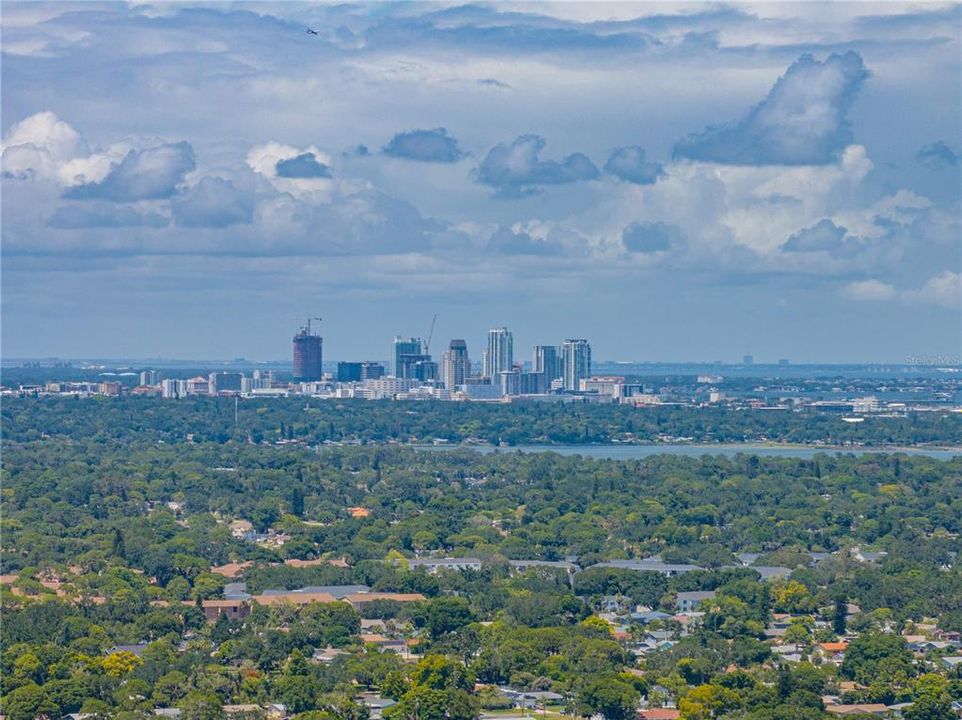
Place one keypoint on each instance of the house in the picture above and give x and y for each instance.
(522, 565)
(295, 598)
(359, 600)
(339, 592)
(336, 562)
(646, 616)
(243, 712)
(172, 713)
(651, 564)
(867, 557)
(374, 703)
(326, 655)
(432, 565)
(772, 572)
(233, 609)
(834, 651)
(659, 714)
(686, 602)
(531, 699)
(858, 709)
(231, 571)
(236, 591)
(952, 661)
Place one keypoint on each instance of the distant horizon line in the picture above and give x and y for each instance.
(924, 361)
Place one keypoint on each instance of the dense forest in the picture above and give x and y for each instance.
(114, 532)
(314, 421)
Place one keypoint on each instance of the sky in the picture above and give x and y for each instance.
(672, 181)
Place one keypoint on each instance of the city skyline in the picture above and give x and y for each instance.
(673, 182)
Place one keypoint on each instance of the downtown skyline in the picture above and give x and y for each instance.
(697, 182)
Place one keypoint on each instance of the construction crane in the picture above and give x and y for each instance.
(309, 323)
(427, 344)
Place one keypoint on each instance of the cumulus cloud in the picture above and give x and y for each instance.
(38, 145)
(944, 289)
(513, 241)
(150, 174)
(213, 202)
(425, 146)
(802, 121)
(289, 171)
(823, 235)
(651, 237)
(103, 215)
(938, 154)
(628, 163)
(516, 169)
(304, 165)
(869, 290)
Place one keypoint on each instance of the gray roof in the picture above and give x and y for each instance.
(236, 591)
(338, 591)
(650, 565)
(562, 564)
(442, 562)
(697, 595)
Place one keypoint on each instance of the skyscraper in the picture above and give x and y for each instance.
(455, 365)
(405, 349)
(500, 355)
(308, 351)
(546, 360)
(576, 356)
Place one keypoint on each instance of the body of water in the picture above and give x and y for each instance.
(635, 452)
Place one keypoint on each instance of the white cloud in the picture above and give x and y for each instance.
(264, 158)
(869, 290)
(944, 289)
(39, 145)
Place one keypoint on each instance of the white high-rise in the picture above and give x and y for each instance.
(455, 365)
(576, 359)
(500, 354)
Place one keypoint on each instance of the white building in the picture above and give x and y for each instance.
(500, 353)
(576, 359)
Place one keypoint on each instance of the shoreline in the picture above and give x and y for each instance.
(708, 446)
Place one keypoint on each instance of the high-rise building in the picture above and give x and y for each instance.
(500, 354)
(404, 350)
(546, 360)
(174, 388)
(423, 369)
(455, 365)
(531, 383)
(308, 353)
(359, 371)
(221, 382)
(510, 381)
(149, 377)
(576, 359)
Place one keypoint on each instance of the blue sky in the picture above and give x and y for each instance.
(672, 181)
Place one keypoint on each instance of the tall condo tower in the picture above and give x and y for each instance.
(307, 355)
(500, 355)
(455, 365)
(576, 359)
(546, 360)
